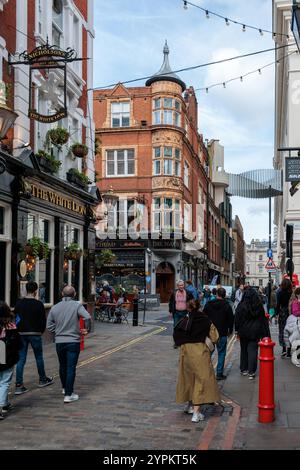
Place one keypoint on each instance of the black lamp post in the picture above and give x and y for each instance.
(296, 22)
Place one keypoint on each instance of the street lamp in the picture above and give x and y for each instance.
(296, 22)
(109, 198)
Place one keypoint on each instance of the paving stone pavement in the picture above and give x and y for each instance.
(127, 398)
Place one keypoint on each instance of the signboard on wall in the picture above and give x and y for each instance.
(292, 169)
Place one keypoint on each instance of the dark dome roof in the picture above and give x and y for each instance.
(165, 73)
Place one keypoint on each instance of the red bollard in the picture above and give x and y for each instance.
(266, 405)
(81, 325)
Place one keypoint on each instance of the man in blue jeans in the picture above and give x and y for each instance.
(63, 321)
(31, 324)
(220, 313)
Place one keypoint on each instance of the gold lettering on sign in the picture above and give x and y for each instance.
(57, 200)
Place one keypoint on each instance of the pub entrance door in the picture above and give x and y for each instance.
(165, 281)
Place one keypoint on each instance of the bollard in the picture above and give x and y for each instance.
(81, 325)
(266, 405)
(135, 315)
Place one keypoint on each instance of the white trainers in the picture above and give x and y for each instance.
(188, 409)
(63, 391)
(70, 398)
(197, 417)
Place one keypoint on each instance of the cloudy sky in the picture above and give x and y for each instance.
(130, 35)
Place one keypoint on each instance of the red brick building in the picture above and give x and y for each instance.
(152, 156)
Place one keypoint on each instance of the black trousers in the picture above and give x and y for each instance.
(249, 350)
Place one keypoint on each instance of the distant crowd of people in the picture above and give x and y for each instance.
(202, 320)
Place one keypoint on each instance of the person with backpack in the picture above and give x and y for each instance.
(292, 327)
(10, 344)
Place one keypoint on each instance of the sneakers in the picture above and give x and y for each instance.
(188, 409)
(244, 372)
(197, 417)
(63, 391)
(251, 376)
(70, 398)
(47, 381)
(288, 354)
(221, 377)
(2, 415)
(20, 389)
(7, 408)
(174, 346)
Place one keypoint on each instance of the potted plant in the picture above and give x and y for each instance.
(58, 136)
(73, 252)
(104, 258)
(78, 178)
(36, 247)
(79, 150)
(47, 162)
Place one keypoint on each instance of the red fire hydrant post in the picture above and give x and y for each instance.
(266, 405)
(81, 325)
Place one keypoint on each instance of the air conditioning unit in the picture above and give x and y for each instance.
(143, 123)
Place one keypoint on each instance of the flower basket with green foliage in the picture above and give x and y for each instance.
(47, 162)
(73, 252)
(58, 136)
(78, 178)
(104, 258)
(37, 248)
(79, 150)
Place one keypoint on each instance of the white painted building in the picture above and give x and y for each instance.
(287, 121)
(256, 259)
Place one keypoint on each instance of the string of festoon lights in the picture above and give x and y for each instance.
(241, 77)
(228, 21)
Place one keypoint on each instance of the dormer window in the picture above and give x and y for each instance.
(120, 114)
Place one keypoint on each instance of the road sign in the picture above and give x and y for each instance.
(270, 254)
(270, 265)
(292, 169)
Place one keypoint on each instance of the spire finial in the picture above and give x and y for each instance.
(166, 48)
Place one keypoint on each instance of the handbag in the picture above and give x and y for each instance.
(209, 344)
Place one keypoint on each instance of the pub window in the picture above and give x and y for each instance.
(2, 220)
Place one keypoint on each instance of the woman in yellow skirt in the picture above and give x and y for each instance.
(196, 382)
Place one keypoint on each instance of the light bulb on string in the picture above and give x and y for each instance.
(185, 5)
(227, 22)
(206, 90)
(207, 14)
(259, 71)
(274, 35)
(244, 28)
(261, 32)
(224, 85)
(241, 78)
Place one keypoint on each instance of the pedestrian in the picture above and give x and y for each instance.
(213, 295)
(191, 289)
(63, 321)
(282, 310)
(238, 296)
(251, 325)
(31, 316)
(291, 332)
(206, 295)
(178, 303)
(220, 313)
(10, 344)
(273, 303)
(196, 383)
(42, 293)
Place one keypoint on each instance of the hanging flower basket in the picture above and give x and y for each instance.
(35, 247)
(79, 150)
(58, 136)
(73, 252)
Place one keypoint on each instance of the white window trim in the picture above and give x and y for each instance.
(80, 243)
(115, 175)
(120, 113)
(163, 210)
(6, 238)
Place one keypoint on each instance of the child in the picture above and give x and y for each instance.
(292, 327)
(9, 355)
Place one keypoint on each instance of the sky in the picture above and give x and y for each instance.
(130, 36)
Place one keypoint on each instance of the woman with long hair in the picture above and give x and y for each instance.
(282, 310)
(9, 348)
(196, 383)
(251, 325)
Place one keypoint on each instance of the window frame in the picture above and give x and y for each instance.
(115, 162)
(120, 113)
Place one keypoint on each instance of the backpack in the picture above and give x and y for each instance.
(10, 345)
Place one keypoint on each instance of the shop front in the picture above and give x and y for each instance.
(46, 233)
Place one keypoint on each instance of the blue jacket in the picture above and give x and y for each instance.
(193, 291)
